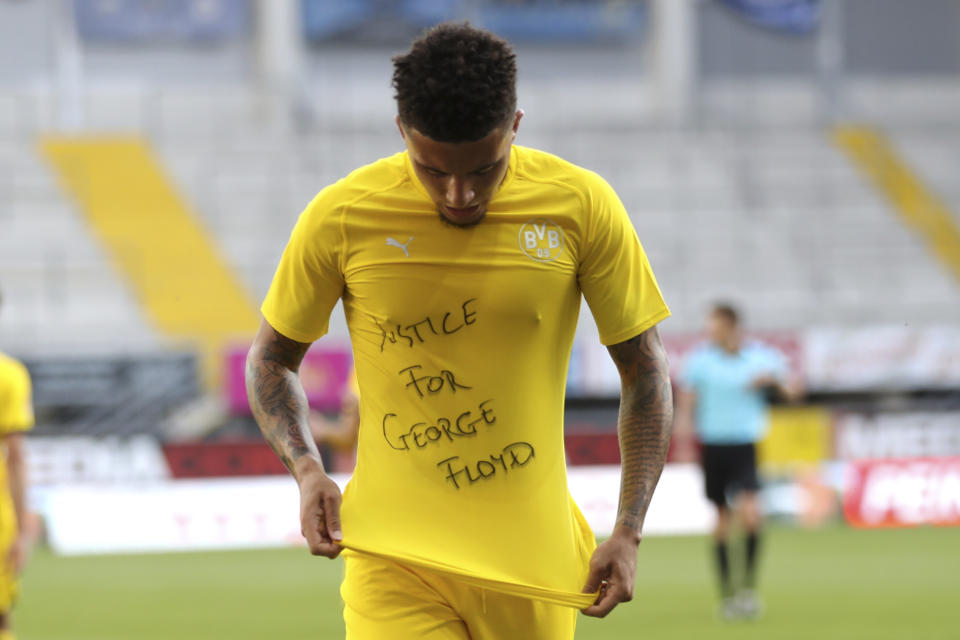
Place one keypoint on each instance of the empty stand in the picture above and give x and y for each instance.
(771, 215)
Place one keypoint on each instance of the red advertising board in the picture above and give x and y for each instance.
(222, 459)
(903, 493)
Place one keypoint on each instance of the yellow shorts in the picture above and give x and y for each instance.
(385, 599)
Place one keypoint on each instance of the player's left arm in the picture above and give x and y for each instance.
(17, 482)
(644, 426)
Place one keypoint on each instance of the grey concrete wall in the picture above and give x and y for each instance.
(882, 37)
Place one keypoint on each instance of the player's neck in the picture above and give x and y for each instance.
(731, 344)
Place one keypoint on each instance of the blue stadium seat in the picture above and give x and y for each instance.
(325, 18)
(176, 20)
(569, 21)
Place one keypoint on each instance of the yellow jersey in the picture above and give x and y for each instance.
(16, 408)
(461, 340)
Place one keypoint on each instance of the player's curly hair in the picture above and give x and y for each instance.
(456, 83)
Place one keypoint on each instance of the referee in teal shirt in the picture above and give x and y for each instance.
(727, 385)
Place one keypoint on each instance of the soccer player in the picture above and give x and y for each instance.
(461, 263)
(727, 383)
(16, 416)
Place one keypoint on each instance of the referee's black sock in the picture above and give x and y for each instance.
(753, 544)
(723, 568)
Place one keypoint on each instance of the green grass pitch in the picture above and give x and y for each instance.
(833, 583)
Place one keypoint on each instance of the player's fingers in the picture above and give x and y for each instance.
(594, 578)
(313, 528)
(328, 549)
(315, 531)
(315, 540)
(331, 508)
(322, 546)
(320, 523)
(612, 596)
(601, 608)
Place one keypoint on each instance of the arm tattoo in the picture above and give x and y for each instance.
(645, 422)
(277, 398)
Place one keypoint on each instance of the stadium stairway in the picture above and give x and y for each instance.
(186, 289)
(918, 206)
(61, 293)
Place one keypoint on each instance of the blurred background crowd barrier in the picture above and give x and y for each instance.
(798, 157)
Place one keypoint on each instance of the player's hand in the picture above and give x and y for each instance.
(613, 569)
(794, 389)
(319, 509)
(764, 381)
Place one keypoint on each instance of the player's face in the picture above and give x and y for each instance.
(719, 328)
(461, 177)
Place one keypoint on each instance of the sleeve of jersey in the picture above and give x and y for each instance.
(309, 280)
(615, 276)
(17, 414)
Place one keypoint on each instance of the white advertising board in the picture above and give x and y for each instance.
(82, 459)
(263, 512)
(870, 358)
(908, 434)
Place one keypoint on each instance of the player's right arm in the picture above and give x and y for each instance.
(280, 408)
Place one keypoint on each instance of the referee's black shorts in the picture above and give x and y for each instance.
(729, 469)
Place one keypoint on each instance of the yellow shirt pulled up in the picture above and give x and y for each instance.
(461, 340)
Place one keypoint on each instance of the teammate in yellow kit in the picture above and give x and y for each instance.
(461, 263)
(16, 416)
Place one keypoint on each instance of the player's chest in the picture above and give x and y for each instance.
(438, 279)
(528, 242)
(731, 374)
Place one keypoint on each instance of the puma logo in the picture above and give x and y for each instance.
(403, 247)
